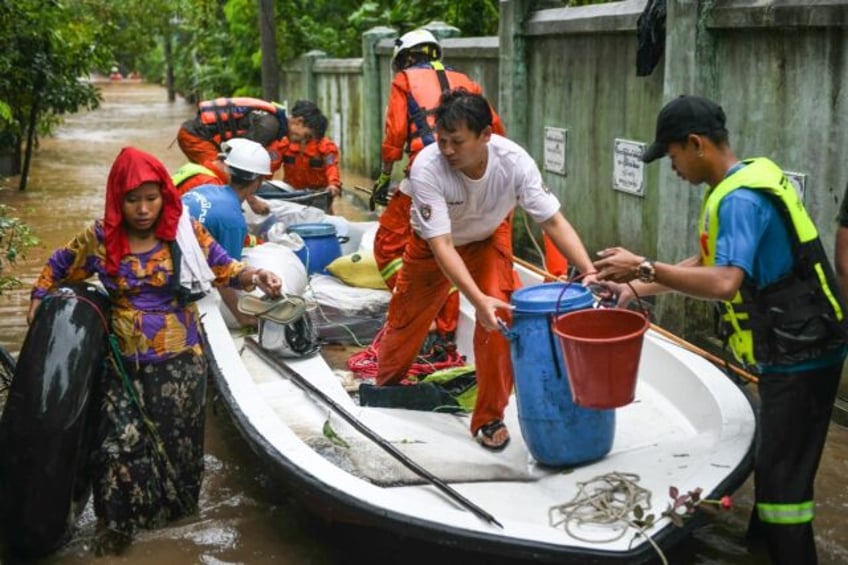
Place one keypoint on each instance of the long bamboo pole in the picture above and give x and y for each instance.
(400, 456)
(723, 363)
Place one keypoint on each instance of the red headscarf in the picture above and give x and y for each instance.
(130, 169)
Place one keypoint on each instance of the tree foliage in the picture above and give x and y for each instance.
(49, 46)
(217, 42)
(15, 239)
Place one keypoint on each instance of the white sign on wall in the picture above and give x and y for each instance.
(799, 181)
(628, 170)
(555, 150)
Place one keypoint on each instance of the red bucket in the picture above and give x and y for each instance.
(601, 349)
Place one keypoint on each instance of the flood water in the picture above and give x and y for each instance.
(245, 517)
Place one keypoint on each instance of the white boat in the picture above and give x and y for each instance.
(421, 475)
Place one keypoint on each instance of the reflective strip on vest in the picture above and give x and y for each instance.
(786, 513)
(395, 265)
(391, 269)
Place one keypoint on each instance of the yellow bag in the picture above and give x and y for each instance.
(358, 269)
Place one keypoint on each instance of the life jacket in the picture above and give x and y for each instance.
(427, 82)
(226, 118)
(797, 318)
(189, 170)
(311, 164)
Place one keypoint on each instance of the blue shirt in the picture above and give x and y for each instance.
(219, 210)
(753, 236)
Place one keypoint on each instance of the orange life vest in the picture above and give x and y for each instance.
(426, 85)
(225, 118)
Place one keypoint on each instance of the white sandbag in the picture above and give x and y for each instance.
(341, 224)
(367, 235)
(330, 291)
(346, 314)
(280, 260)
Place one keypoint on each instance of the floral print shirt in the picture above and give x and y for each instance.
(150, 323)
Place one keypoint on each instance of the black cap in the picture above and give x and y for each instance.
(684, 115)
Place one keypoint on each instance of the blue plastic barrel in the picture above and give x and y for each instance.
(557, 432)
(321, 246)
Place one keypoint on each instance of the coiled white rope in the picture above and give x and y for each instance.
(607, 500)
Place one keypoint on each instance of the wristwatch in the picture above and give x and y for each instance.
(646, 272)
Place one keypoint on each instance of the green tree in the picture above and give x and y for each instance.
(216, 43)
(50, 47)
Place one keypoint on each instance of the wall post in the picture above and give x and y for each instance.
(513, 68)
(310, 91)
(689, 69)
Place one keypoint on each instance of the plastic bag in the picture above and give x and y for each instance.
(346, 314)
(650, 29)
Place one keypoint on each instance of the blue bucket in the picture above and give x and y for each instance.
(557, 432)
(321, 246)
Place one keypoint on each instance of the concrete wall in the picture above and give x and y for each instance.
(778, 67)
(353, 93)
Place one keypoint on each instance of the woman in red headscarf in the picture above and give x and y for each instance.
(134, 250)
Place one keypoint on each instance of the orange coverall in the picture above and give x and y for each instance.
(425, 290)
(313, 165)
(218, 120)
(421, 83)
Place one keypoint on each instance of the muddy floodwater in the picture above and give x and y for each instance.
(246, 517)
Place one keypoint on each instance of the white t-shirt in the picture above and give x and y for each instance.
(445, 201)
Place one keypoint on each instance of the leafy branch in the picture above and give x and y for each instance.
(15, 238)
(681, 507)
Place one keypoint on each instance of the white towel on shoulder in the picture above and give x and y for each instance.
(195, 273)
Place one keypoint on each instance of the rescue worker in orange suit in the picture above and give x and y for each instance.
(420, 78)
(464, 188)
(310, 159)
(221, 119)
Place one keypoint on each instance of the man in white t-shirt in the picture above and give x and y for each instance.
(464, 189)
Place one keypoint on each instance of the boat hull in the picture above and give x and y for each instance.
(715, 434)
(339, 506)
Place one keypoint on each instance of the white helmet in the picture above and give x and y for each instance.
(416, 38)
(247, 156)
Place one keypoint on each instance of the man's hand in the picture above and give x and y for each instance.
(380, 192)
(258, 205)
(617, 264)
(487, 312)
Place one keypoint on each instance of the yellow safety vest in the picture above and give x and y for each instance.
(189, 170)
(760, 323)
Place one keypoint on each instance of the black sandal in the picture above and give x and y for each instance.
(488, 431)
